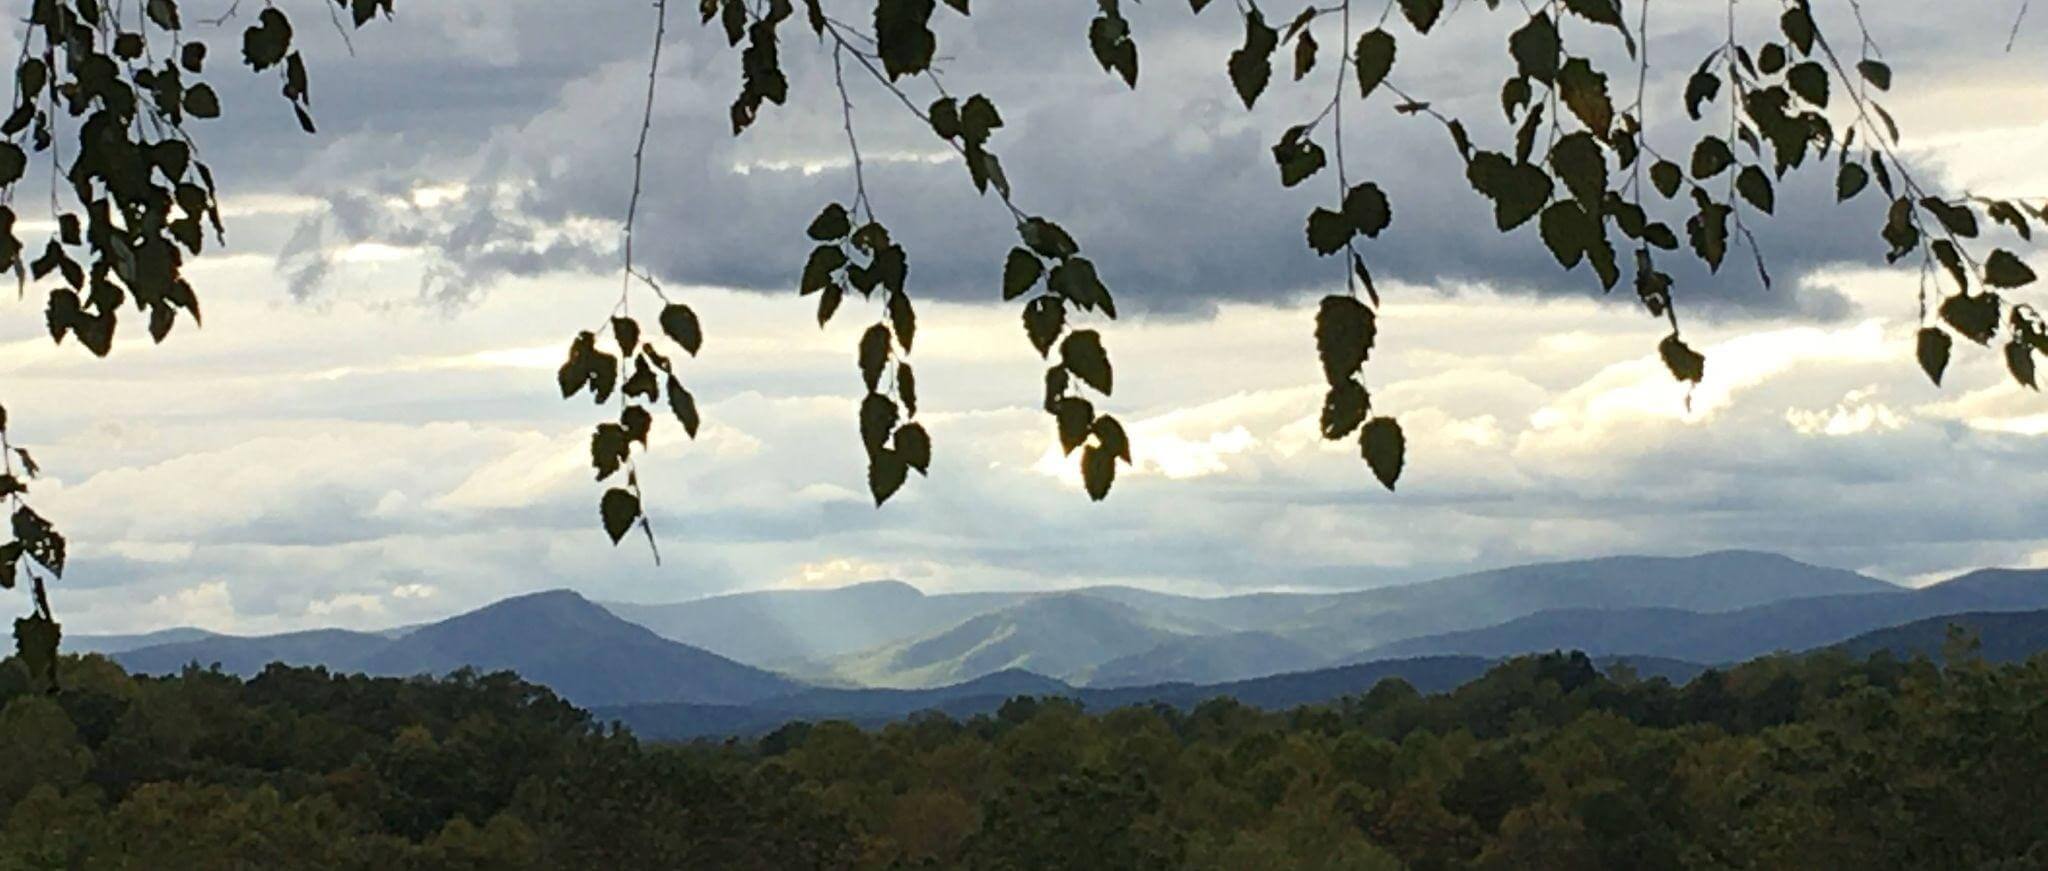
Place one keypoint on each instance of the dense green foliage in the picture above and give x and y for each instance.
(1818, 761)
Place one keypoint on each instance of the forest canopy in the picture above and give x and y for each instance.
(1813, 761)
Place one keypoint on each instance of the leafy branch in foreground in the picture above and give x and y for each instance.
(102, 96)
(35, 551)
(1574, 160)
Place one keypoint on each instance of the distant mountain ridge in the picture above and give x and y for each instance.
(776, 626)
(987, 694)
(1059, 635)
(1792, 624)
(584, 652)
(890, 634)
(2003, 636)
(1664, 615)
(110, 644)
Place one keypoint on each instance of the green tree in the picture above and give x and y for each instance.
(110, 99)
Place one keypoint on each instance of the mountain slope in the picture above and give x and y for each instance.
(584, 652)
(1710, 582)
(2009, 636)
(1797, 624)
(338, 649)
(775, 626)
(985, 696)
(1055, 634)
(1205, 659)
(112, 644)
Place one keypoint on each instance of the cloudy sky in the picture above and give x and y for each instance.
(366, 432)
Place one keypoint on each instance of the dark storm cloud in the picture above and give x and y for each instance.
(1171, 189)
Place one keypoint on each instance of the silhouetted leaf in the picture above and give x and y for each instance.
(1344, 408)
(1877, 73)
(1304, 55)
(1098, 472)
(626, 332)
(2006, 213)
(1110, 434)
(1044, 318)
(2004, 270)
(1973, 315)
(1582, 166)
(1076, 280)
(1345, 331)
(1932, 347)
(1251, 66)
(1518, 190)
(831, 224)
(874, 354)
(878, 416)
(914, 447)
(35, 642)
(608, 449)
(1536, 48)
(903, 36)
(264, 44)
(1708, 230)
(1298, 158)
(1810, 82)
(886, 474)
(1422, 13)
(903, 318)
(1685, 363)
(1375, 59)
(1585, 92)
(39, 540)
(1385, 449)
(680, 323)
(683, 405)
(1328, 231)
(1958, 219)
(1850, 181)
(1020, 272)
(1667, 177)
(1083, 355)
(1076, 416)
(2019, 360)
(1711, 157)
(1046, 238)
(1756, 188)
(1366, 209)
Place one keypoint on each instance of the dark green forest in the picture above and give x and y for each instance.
(1817, 761)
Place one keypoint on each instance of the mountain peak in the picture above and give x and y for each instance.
(888, 586)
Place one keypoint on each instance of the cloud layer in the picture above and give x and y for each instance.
(367, 433)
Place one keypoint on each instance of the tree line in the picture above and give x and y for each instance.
(1815, 761)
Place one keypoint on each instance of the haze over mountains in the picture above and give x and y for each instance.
(881, 649)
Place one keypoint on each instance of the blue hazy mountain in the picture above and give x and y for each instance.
(584, 652)
(1060, 635)
(985, 695)
(890, 634)
(1790, 625)
(1711, 582)
(778, 626)
(337, 649)
(1206, 659)
(110, 644)
(2004, 636)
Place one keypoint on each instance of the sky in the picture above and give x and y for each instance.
(366, 432)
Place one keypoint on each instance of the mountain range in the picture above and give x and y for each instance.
(586, 653)
(884, 649)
